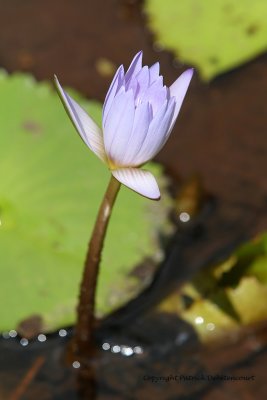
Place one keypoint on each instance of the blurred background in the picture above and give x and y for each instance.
(221, 131)
(215, 158)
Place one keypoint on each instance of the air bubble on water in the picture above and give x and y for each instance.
(24, 342)
(62, 332)
(41, 337)
(127, 351)
(76, 364)
(105, 346)
(116, 348)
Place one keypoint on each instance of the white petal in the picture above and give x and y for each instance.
(178, 89)
(88, 130)
(139, 180)
(119, 126)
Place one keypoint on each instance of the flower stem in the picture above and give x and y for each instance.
(83, 339)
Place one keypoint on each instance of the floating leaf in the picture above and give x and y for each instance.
(51, 187)
(249, 299)
(259, 269)
(222, 298)
(209, 320)
(215, 36)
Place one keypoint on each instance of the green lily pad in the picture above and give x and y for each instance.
(249, 299)
(50, 191)
(222, 298)
(259, 269)
(215, 36)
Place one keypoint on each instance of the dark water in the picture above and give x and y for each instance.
(142, 353)
(157, 358)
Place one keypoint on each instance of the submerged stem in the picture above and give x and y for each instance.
(84, 328)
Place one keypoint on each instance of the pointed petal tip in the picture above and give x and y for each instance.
(86, 127)
(139, 56)
(120, 69)
(156, 198)
(179, 87)
(56, 81)
(188, 73)
(59, 89)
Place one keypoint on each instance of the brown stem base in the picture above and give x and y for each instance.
(83, 337)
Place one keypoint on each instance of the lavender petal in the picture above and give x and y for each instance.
(134, 67)
(178, 89)
(156, 136)
(142, 83)
(153, 72)
(142, 119)
(119, 126)
(116, 83)
(88, 130)
(156, 94)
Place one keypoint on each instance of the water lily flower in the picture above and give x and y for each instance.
(139, 113)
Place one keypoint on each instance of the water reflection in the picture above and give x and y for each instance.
(41, 337)
(62, 332)
(210, 326)
(199, 320)
(24, 342)
(116, 348)
(105, 346)
(76, 364)
(123, 349)
(184, 217)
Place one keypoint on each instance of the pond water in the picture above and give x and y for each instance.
(140, 352)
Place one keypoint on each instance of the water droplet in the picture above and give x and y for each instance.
(126, 351)
(105, 346)
(62, 332)
(210, 326)
(138, 350)
(5, 335)
(24, 342)
(199, 320)
(76, 364)
(13, 333)
(116, 349)
(184, 217)
(41, 337)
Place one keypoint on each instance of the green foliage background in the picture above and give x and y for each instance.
(214, 36)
